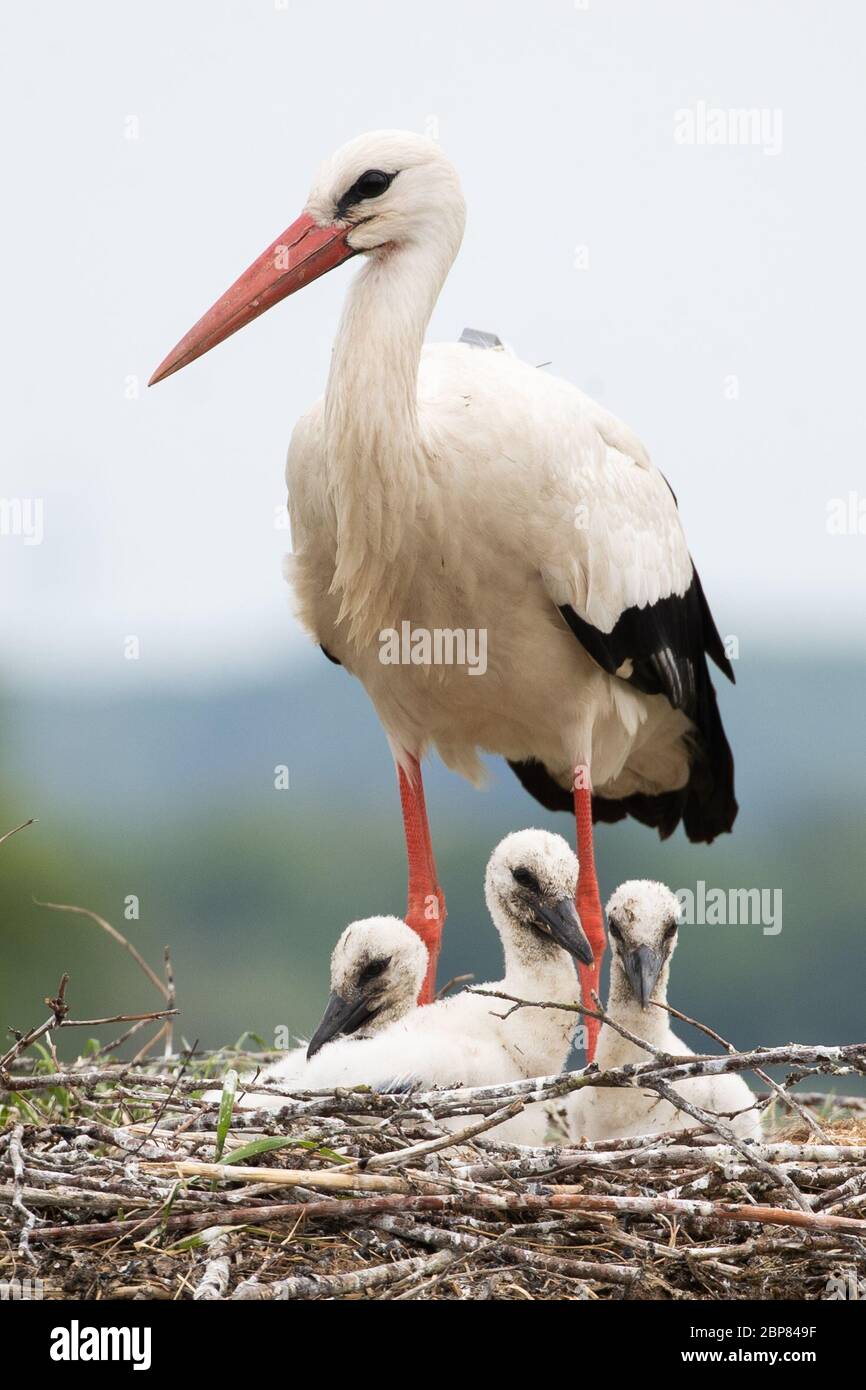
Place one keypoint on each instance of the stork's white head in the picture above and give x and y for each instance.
(642, 922)
(529, 886)
(377, 969)
(380, 192)
(388, 188)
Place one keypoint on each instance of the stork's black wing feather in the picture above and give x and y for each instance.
(659, 649)
(662, 649)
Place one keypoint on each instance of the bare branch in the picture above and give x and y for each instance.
(115, 936)
(14, 831)
(779, 1091)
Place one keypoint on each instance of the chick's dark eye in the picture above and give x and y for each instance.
(670, 932)
(374, 970)
(614, 931)
(526, 879)
(372, 184)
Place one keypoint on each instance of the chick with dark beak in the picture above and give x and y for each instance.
(561, 922)
(643, 919)
(642, 969)
(341, 1016)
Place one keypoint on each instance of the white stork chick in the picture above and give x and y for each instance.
(464, 1040)
(642, 922)
(377, 968)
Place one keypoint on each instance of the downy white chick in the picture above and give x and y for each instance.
(642, 922)
(377, 969)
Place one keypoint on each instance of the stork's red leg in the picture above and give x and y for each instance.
(588, 904)
(425, 912)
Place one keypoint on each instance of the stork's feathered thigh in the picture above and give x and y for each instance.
(536, 518)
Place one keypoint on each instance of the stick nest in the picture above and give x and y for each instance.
(117, 1180)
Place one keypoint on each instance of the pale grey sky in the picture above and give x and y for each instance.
(152, 149)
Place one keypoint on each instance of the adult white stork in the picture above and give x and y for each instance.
(462, 490)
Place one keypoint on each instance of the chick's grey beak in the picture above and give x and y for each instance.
(563, 924)
(642, 968)
(340, 1016)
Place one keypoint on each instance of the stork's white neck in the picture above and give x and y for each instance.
(377, 457)
(533, 970)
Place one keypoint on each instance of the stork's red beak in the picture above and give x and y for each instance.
(303, 253)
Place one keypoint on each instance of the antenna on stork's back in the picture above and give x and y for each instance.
(476, 337)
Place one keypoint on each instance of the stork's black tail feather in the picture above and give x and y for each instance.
(706, 805)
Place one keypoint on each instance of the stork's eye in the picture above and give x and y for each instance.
(371, 184)
(526, 879)
(374, 970)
